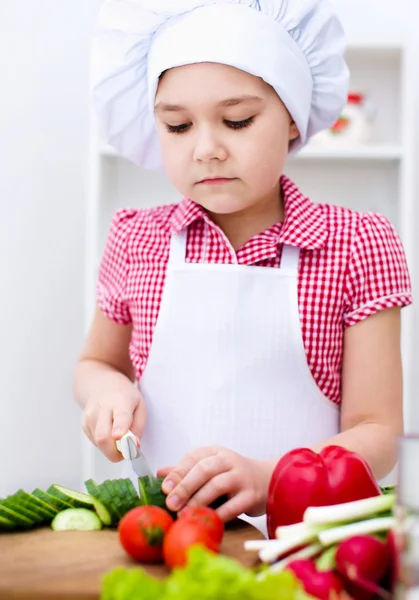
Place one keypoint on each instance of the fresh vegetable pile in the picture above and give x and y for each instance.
(337, 548)
(104, 505)
(330, 524)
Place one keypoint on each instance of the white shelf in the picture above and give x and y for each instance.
(380, 152)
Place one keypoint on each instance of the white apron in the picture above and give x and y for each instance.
(227, 365)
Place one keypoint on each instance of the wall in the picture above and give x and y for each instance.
(43, 125)
(43, 148)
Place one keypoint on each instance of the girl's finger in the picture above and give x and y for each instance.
(103, 436)
(138, 420)
(235, 506)
(164, 471)
(222, 484)
(120, 423)
(185, 465)
(201, 473)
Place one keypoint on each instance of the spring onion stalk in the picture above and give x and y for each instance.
(286, 531)
(349, 511)
(303, 554)
(338, 534)
(271, 553)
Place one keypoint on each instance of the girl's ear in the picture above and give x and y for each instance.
(293, 132)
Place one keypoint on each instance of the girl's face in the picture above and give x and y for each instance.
(224, 136)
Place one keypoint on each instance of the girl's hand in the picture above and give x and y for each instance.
(205, 474)
(108, 417)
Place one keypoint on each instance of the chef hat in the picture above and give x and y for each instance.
(296, 46)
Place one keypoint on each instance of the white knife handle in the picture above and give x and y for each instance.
(122, 444)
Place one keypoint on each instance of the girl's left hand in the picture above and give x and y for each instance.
(205, 474)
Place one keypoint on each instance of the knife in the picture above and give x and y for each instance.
(129, 447)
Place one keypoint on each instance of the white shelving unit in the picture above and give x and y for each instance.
(378, 176)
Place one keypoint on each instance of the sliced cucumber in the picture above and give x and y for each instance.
(51, 499)
(151, 492)
(97, 492)
(131, 496)
(6, 524)
(81, 500)
(18, 519)
(76, 519)
(35, 503)
(16, 505)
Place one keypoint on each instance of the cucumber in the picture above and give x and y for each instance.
(18, 519)
(97, 492)
(151, 492)
(6, 524)
(81, 500)
(76, 519)
(113, 489)
(16, 505)
(32, 502)
(51, 499)
(131, 494)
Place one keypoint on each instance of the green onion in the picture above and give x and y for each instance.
(349, 511)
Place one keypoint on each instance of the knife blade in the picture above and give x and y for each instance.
(129, 446)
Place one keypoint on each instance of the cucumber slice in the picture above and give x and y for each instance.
(131, 495)
(16, 505)
(35, 503)
(98, 493)
(113, 490)
(76, 519)
(6, 524)
(18, 519)
(151, 492)
(50, 499)
(81, 500)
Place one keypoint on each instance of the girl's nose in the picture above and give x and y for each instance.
(208, 147)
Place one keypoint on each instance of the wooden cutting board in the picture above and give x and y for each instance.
(46, 565)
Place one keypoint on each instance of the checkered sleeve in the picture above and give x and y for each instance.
(377, 275)
(114, 269)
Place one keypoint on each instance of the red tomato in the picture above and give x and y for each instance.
(141, 532)
(182, 535)
(208, 517)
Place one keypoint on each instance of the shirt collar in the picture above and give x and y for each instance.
(304, 225)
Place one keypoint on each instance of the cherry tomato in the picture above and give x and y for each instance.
(141, 532)
(182, 535)
(208, 517)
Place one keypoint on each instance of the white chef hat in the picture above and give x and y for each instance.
(296, 46)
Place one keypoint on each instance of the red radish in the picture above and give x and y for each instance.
(363, 561)
(324, 585)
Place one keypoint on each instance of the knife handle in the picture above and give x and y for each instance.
(122, 444)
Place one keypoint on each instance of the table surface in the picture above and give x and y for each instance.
(47, 565)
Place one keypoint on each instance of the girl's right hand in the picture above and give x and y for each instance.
(108, 418)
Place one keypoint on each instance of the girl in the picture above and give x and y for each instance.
(246, 320)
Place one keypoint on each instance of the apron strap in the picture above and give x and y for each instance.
(290, 258)
(178, 247)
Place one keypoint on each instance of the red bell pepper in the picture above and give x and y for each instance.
(304, 478)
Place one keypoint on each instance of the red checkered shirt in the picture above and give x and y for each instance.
(352, 265)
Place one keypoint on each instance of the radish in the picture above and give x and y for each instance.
(325, 585)
(363, 561)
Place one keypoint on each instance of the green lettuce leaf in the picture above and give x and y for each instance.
(207, 577)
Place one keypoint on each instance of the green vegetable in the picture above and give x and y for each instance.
(76, 519)
(349, 511)
(207, 577)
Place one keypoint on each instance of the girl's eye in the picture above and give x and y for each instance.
(178, 128)
(239, 124)
(231, 124)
